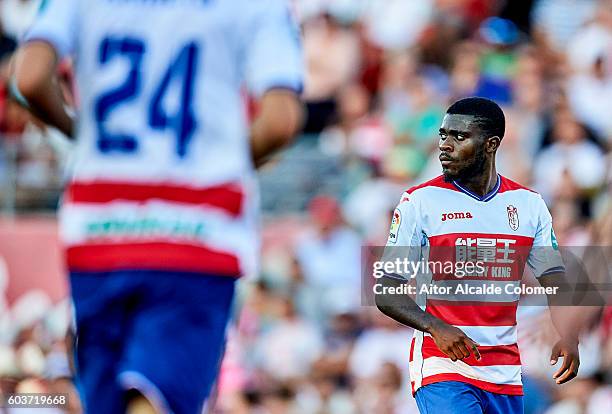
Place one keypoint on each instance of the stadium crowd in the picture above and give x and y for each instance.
(379, 75)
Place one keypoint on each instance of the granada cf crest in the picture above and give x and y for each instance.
(513, 219)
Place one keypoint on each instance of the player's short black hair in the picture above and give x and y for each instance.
(489, 115)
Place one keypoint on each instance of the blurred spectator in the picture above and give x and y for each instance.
(357, 132)
(470, 12)
(323, 395)
(372, 218)
(385, 342)
(290, 346)
(330, 256)
(416, 130)
(389, 396)
(465, 70)
(571, 167)
(590, 87)
(556, 21)
(498, 59)
(332, 57)
(340, 337)
(397, 24)
(526, 115)
(569, 225)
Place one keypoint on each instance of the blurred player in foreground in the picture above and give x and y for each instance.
(159, 218)
(464, 356)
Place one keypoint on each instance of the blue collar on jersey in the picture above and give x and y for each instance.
(486, 197)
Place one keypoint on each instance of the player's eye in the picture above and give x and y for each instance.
(442, 135)
(461, 137)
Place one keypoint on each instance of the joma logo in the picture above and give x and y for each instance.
(456, 216)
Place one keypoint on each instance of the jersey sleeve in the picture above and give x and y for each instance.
(274, 50)
(56, 24)
(405, 235)
(544, 257)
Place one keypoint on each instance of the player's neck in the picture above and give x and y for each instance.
(483, 183)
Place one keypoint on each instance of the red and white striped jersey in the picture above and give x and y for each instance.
(162, 176)
(442, 220)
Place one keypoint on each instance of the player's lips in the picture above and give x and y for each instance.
(445, 161)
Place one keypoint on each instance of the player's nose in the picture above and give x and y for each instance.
(444, 146)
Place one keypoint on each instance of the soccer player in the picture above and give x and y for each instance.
(159, 218)
(464, 356)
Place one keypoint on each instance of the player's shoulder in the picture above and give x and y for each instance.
(433, 184)
(521, 194)
(509, 186)
(423, 191)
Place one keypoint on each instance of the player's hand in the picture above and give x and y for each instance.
(568, 349)
(453, 341)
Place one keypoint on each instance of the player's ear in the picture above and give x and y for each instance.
(492, 143)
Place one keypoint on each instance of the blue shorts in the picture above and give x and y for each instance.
(160, 333)
(454, 397)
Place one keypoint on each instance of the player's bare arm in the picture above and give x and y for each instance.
(34, 77)
(566, 322)
(280, 118)
(449, 339)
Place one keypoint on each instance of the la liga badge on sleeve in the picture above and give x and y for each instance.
(395, 225)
